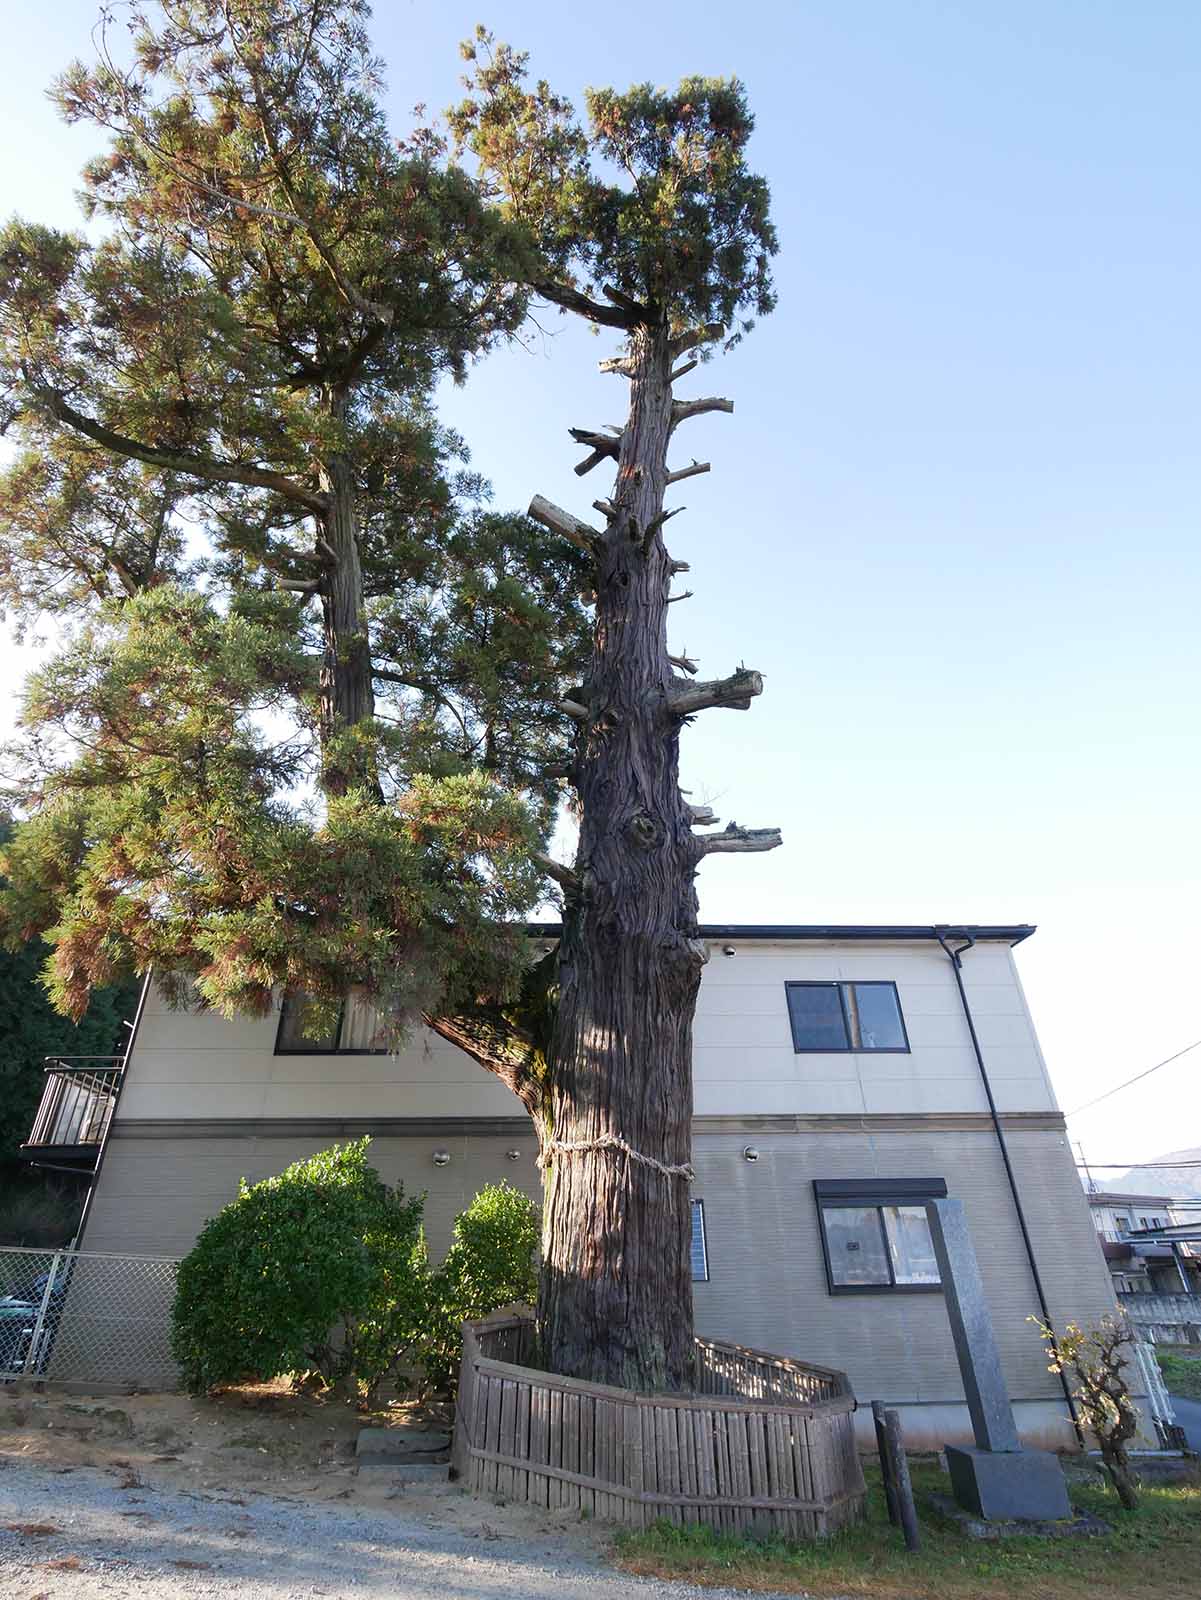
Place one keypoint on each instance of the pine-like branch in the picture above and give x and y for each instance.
(500, 1047)
(709, 333)
(194, 466)
(568, 299)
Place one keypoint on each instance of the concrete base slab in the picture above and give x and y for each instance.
(402, 1447)
(977, 1528)
(1009, 1485)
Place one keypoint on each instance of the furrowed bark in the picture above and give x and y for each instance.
(615, 1302)
(346, 685)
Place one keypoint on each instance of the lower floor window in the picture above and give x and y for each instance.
(875, 1236)
(700, 1253)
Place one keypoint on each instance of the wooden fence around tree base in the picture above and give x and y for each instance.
(764, 1445)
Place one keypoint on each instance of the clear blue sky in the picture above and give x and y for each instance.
(954, 518)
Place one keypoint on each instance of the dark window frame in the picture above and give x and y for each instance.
(834, 1194)
(319, 1049)
(848, 1049)
(696, 1207)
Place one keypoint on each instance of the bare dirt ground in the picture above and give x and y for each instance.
(259, 1439)
(257, 1494)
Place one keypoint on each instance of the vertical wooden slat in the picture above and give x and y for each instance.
(521, 1443)
(558, 1492)
(571, 1445)
(633, 1475)
(650, 1460)
(538, 1431)
(587, 1437)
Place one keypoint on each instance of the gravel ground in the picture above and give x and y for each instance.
(114, 1539)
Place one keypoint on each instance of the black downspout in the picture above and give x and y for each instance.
(954, 956)
(108, 1132)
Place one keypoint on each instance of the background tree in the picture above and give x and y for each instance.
(651, 224)
(299, 731)
(39, 1208)
(1095, 1358)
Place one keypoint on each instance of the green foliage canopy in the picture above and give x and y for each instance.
(301, 732)
(650, 207)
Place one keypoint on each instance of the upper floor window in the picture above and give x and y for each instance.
(845, 1016)
(359, 1030)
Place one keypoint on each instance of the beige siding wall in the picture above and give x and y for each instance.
(744, 1061)
(189, 1065)
(767, 1284)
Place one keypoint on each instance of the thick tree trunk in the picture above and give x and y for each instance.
(615, 1303)
(346, 686)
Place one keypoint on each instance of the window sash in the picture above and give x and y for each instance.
(699, 1244)
(854, 997)
(890, 1239)
(357, 1022)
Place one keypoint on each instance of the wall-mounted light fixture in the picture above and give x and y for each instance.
(728, 950)
(441, 1158)
(750, 1153)
(513, 1155)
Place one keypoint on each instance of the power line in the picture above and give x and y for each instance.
(1088, 1104)
(1113, 1166)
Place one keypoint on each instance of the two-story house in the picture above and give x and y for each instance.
(843, 1075)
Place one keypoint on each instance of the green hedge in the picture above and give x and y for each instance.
(324, 1270)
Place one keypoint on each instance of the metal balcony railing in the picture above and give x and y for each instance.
(77, 1102)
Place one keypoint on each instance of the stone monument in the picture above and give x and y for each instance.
(997, 1479)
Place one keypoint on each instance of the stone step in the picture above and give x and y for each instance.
(402, 1447)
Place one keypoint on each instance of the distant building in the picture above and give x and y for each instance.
(1152, 1247)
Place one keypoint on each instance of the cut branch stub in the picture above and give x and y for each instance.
(573, 708)
(562, 522)
(688, 472)
(563, 876)
(682, 371)
(701, 816)
(602, 445)
(734, 840)
(735, 693)
(681, 410)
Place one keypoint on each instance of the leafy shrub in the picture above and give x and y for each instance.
(491, 1262)
(322, 1268)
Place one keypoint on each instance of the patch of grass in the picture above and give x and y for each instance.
(1153, 1553)
(1181, 1373)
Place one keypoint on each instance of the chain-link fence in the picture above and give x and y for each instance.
(72, 1316)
